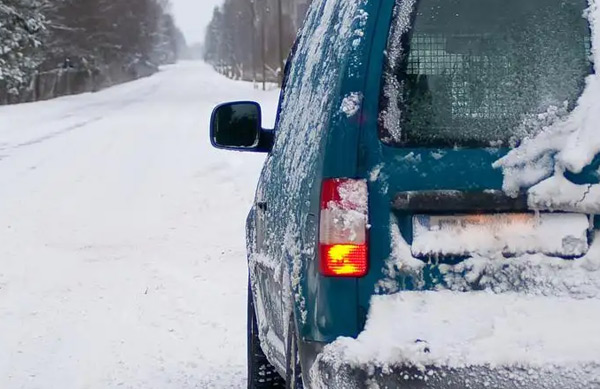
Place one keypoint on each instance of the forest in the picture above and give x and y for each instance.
(50, 48)
(251, 39)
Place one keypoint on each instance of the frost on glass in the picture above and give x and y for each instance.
(472, 73)
(568, 144)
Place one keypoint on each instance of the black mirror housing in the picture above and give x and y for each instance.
(238, 126)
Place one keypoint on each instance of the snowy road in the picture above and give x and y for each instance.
(122, 259)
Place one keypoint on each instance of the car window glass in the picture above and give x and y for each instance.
(481, 72)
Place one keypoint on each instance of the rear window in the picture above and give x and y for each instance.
(481, 73)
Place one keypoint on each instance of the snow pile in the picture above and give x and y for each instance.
(565, 144)
(352, 104)
(559, 193)
(511, 234)
(460, 330)
(401, 262)
(536, 274)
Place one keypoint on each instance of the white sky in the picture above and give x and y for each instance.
(193, 16)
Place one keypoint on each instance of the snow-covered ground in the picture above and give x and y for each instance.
(122, 254)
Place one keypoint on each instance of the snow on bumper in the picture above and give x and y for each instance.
(468, 340)
(345, 376)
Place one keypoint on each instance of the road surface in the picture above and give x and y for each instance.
(122, 258)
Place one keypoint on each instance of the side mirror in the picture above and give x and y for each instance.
(237, 126)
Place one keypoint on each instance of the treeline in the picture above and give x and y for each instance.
(250, 39)
(109, 40)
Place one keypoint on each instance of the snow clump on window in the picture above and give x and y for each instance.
(567, 144)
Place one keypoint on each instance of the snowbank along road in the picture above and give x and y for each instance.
(122, 252)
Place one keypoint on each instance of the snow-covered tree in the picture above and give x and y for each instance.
(22, 28)
(107, 40)
(110, 31)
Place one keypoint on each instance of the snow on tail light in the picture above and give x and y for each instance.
(343, 246)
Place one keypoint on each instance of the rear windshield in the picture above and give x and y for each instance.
(481, 73)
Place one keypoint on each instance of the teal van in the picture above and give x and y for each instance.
(391, 117)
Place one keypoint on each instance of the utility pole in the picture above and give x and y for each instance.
(264, 46)
(280, 40)
(253, 32)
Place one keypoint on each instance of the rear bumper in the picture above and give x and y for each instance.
(344, 376)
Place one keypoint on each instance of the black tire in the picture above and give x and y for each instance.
(261, 374)
(293, 374)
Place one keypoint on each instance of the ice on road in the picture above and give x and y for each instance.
(122, 253)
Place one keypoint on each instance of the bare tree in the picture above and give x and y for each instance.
(241, 29)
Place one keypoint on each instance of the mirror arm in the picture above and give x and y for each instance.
(266, 141)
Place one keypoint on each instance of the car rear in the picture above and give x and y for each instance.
(463, 82)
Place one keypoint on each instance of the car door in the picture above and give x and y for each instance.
(266, 267)
(268, 262)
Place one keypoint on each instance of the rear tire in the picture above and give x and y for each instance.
(261, 374)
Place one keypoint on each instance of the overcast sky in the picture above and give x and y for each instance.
(193, 16)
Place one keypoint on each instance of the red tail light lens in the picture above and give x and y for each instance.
(344, 260)
(343, 247)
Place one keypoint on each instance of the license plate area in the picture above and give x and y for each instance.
(510, 234)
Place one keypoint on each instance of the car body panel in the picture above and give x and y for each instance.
(284, 234)
(324, 140)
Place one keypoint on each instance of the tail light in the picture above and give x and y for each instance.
(343, 247)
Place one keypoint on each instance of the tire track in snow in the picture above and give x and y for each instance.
(122, 240)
